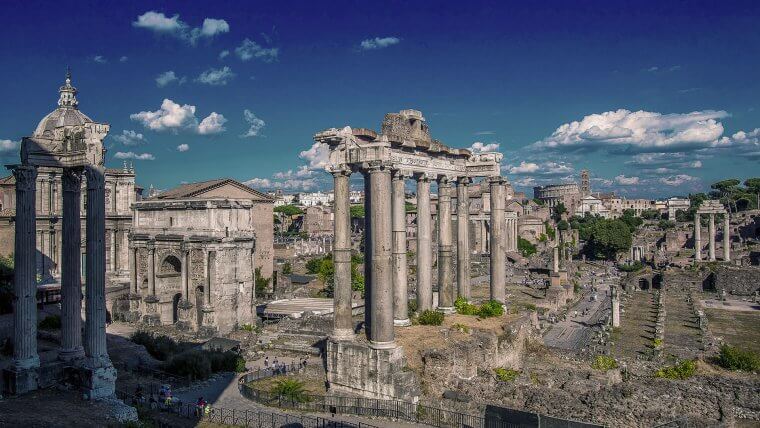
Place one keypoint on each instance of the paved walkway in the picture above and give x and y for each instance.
(575, 332)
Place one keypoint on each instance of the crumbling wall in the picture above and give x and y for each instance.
(737, 281)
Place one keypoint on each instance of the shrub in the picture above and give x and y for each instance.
(576, 287)
(223, 361)
(733, 358)
(411, 307)
(51, 322)
(657, 343)
(247, 327)
(530, 307)
(506, 375)
(291, 389)
(160, 347)
(682, 370)
(192, 364)
(604, 363)
(461, 327)
(464, 307)
(491, 308)
(633, 267)
(428, 317)
(525, 247)
(287, 268)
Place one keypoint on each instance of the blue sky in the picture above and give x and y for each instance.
(655, 99)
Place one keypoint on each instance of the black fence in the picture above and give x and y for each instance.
(246, 418)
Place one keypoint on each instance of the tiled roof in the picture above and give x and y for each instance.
(192, 190)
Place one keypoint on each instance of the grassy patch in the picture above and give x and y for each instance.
(604, 363)
(683, 370)
(461, 328)
(491, 308)
(733, 358)
(506, 375)
(291, 389)
(428, 317)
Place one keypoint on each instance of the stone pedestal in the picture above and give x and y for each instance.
(133, 313)
(98, 382)
(151, 316)
(185, 316)
(20, 380)
(208, 322)
(555, 280)
(356, 368)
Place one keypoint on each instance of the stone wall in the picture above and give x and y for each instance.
(737, 281)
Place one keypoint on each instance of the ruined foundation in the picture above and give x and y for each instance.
(356, 368)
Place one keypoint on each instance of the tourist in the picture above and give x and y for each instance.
(266, 362)
(200, 406)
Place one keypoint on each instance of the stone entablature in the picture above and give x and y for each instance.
(710, 208)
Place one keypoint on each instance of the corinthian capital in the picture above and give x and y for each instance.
(72, 180)
(96, 177)
(26, 177)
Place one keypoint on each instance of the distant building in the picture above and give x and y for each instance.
(318, 220)
(554, 194)
(592, 206)
(315, 198)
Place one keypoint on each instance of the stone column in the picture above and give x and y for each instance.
(151, 316)
(555, 260)
(133, 271)
(424, 245)
(446, 292)
(498, 254)
(380, 333)
(726, 238)
(209, 280)
(711, 233)
(400, 293)
(95, 274)
(343, 325)
(463, 238)
(367, 251)
(615, 306)
(25, 358)
(697, 237)
(184, 272)
(71, 276)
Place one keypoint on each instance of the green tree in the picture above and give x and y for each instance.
(291, 389)
(262, 283)
(287, 268)
(289, 210)
(357, 211)
(559, 209)
(726, 190)
(563, 225)
(650, 214)
(525, 247)
(607, 237)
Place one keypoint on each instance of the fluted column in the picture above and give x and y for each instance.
(446, 293)
(343, 325)
(697, 237)
(424, 246)
(24, 280)
(380, 333)
(95, 274)
(463, 238)
(400, 293)
(71, 276)
(726, 238)
(711, 233)
(133, 271)
(498, 254)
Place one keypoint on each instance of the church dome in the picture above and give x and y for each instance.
(67, 113)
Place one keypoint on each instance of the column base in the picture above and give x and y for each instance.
(342, 335)
(402, 323)
(448, 310)
(382, 345)
(69, 355)
(151, 316)
(208, 322)
(98, 379)
(19, 380)
(184, 312)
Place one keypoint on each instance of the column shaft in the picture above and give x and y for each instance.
(183, 275)
(71, 277)
(24, 279)
(463, 238)
(343, 325)
(446, 293)
(133, 270)
(424, 246)
(95, 274)
(555, 259)
(400, 293)
(711, 233)
(152, 272)
(381, 334)
(726, 238)
(498, 254)
(209, 278)
(367, 251)
(697, 237)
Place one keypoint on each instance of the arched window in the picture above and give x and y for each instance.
(170, 266)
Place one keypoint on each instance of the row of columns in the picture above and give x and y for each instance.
(711, 237)
(385, 249)
(25, 288)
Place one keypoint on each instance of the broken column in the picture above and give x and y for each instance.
(463, 238)
(446, 293)
(498, 254)
(400, 306)
(343, 326)
(424, 245)
(100, 378)
(22, 375)
(71, 274)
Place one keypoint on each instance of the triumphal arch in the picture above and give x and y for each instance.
(67, 139)
(403, 150)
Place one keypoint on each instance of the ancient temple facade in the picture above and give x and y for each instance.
(194, 255)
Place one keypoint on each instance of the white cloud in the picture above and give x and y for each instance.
(171, 116)
(379, 43)
(8, 145)
(212, 27)
(216, 77)
(301, 172)
(524, 168)
(130, 138)
(100, 59)
(653, 69)
(639, 131)
(742, 143)
(525, 182)
(123, 59)
(212, 124)
(294, 184)
(183, 148)
(224, 54)
(168, 77)
(259, 182)
(317, 156)
(133, 155)
(677, 180)
(478, 147)
(160, 23)
(255, 123)
(696, 164)
(626, 181)
(249, 50)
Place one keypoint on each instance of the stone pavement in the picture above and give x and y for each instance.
(575, 332)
